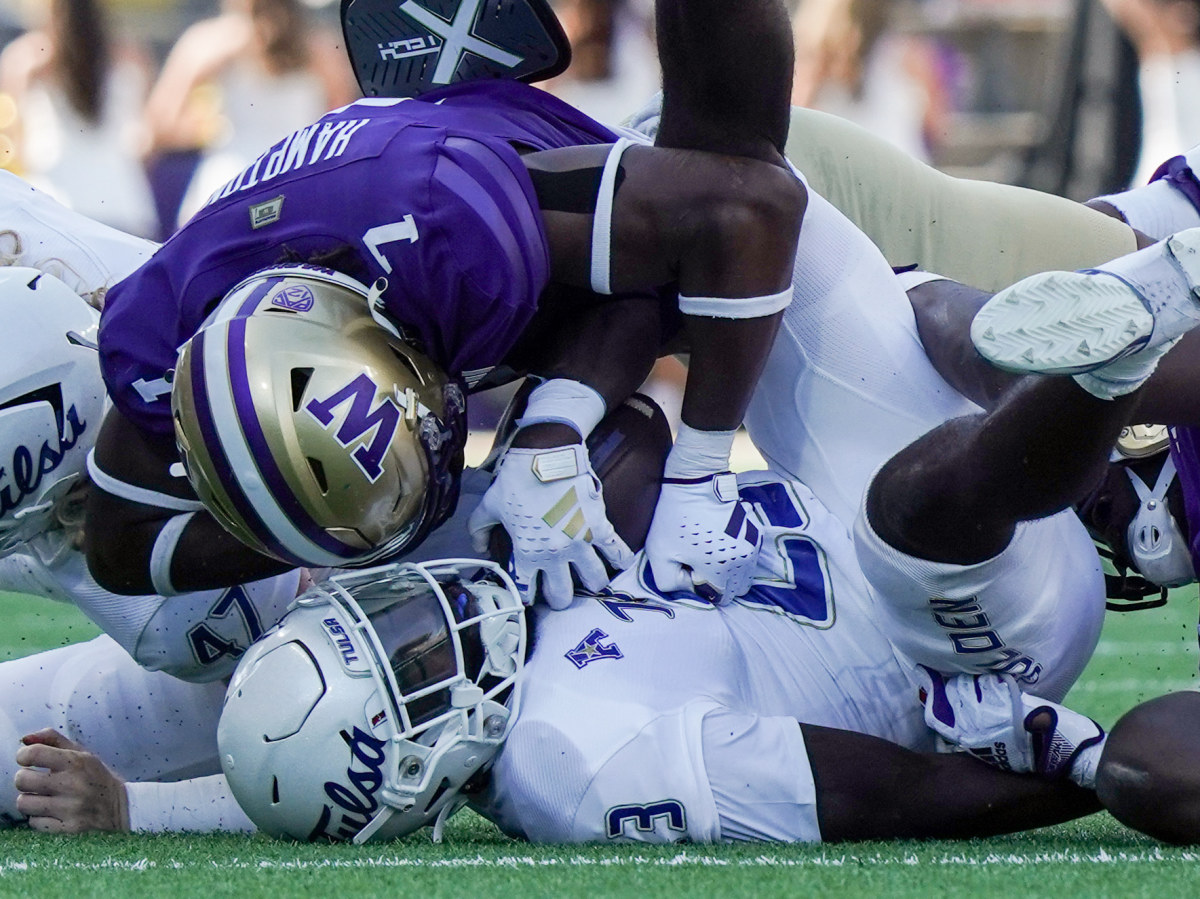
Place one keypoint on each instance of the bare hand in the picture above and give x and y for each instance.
(63, 788)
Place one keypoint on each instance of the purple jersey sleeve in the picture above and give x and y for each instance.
(428, 194)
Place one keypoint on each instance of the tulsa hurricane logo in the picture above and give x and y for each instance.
(590, 649)
(29, 465)
(373, 428)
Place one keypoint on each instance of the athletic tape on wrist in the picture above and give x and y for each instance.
(566, 402)
(164, 552)
(745, 307)
(698, 454)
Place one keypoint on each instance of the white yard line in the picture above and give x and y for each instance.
(682, 859)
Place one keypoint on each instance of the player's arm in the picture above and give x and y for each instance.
(64, 788)
(870, 789)
(146, 530)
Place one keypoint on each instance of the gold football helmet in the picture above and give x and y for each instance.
(309, 428)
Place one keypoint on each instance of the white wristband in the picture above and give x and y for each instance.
(697, 454)
(164, 552)
(566, 402)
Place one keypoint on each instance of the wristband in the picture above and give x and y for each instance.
(565, 402)
(697, 454)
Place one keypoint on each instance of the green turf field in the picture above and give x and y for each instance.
(1142, 655)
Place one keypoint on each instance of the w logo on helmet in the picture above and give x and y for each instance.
(360, 421)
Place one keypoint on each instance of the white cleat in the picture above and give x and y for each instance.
(1068, 323)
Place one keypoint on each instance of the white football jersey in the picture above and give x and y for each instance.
(41, 233)
(649, 719)
(847, 383)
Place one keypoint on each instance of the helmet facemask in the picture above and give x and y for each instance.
(421, 670)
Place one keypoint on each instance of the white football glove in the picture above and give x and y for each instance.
(988, 716)
(551, 504)
(703, 538)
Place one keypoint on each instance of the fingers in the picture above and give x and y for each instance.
(50, 737)
(593, 576)
(43, 755)
(480, 525)
(670, 576)
(616, 551)
(557, 587)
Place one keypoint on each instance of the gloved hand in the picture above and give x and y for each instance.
(988, 716)
(550, 503)
(703, 538)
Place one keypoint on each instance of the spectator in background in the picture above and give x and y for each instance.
(79, 97)
(614, 65)
(849, 64)
(237, 83)
(1166, 35)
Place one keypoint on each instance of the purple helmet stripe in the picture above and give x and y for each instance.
(207, 426)
(261, 451)
(1185, 450)
(260, 290)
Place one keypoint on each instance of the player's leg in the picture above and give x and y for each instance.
(980, 233)
(144, 725)
(727, 76)
(1039, 451)
(870, 789)
(967, 537)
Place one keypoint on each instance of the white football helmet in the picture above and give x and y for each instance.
(51, 399)
(310, 428)
(365, 711)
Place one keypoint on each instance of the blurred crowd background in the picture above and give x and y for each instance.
(134, 111)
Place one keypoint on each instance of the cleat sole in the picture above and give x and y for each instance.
(1063, 323)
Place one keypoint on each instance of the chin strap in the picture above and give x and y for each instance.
(444, 815)
(1125, 591)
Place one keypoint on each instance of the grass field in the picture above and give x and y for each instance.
(1142, 655)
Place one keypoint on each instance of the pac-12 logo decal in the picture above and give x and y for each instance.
(296, 297)
(372, 428)
(589, 649)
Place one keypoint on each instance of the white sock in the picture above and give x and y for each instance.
(1159, 208)
(1156, 209)
(1083, 769)
(1123, 376)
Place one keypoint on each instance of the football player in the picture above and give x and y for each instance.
(461, 215)
(413, 689)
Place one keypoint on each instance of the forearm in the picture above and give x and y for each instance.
(609, 348)
(727, 358)
(199, 805)
(870, 789)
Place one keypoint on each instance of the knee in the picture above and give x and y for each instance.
(1149, 775)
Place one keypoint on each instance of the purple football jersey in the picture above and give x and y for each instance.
(428, 194)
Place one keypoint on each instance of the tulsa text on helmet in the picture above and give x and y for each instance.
(26, 475)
